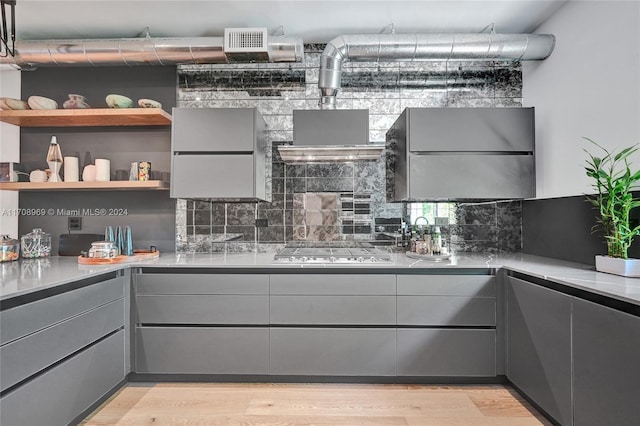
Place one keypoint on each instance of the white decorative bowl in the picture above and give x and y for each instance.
(149, 103)
(118, 101)
(40, 102)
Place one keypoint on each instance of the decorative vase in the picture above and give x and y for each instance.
(618, 266)
(54, 160)
(76, 102)
(118, 101)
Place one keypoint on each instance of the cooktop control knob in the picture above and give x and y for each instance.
(303, 259)
(292, 259)
(332, 259)
(360, 259)
(372, 259)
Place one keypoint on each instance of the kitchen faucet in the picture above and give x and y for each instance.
(420, 227)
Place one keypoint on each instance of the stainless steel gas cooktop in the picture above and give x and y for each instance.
(330, 252)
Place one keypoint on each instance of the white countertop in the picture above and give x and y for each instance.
(26, 276)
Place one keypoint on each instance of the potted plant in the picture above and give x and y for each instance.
(614, 180)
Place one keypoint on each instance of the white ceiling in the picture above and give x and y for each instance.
(314, 21)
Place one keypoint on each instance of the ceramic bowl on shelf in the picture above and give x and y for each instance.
(38, 176)
(13, 104)
(40, 102)
(149, 103)
(118, 101)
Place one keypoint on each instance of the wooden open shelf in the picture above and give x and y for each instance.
(120, 185)
(99, 117)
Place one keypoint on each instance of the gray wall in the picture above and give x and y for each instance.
(150, 214)
(589, 87)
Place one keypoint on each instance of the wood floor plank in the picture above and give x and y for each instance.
(212, 404)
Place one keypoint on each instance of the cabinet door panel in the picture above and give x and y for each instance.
(539, 346)
(338, 284)
(25, 319)
(606, 367)
(473, 176)
(330, 127)
(333, 351)
(202, 284)
(213, 129)
(213, 176)
(446, 310)
(348, 310)
(447, 285)
(438, 352)
(471, 129)
(61, 394)
(203, 309)
(191, 350)
(24, 357)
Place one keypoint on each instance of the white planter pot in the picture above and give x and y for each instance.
(615, 265)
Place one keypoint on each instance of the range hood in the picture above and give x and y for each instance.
(330, 136)
(292, 154)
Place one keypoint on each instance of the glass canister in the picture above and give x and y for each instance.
(36, 244)
(10, 249)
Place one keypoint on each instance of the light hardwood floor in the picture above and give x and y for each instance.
(314, 404)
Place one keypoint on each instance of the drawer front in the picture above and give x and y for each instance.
(446, 310)
(25, 319)
(447, 285)
(465, 353)
(478, 176)
(227, 176)
(202, 284)
(333, 351)
(202, 309)
(330, 284)
(190, 350)
(24, 357)
(348, 310)
(213, 129)
(462, 129)
(61, 394)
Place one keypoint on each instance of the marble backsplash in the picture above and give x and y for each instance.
(338, 201)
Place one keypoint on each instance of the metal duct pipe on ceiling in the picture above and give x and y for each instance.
(421, 47)
(141, 51)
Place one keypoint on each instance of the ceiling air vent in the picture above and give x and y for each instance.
(246, 44)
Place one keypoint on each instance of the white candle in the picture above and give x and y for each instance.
(103, 170)
(71, 170)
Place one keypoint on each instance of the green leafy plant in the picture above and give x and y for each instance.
(614, 181)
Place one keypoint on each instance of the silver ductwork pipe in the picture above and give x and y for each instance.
(422, 47)
(141, 51)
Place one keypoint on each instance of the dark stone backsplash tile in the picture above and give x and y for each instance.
(385, 89)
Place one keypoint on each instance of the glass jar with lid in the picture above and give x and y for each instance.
(36, 244)
(10, 249)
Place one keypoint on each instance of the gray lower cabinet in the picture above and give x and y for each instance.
(539, 346)
(333, 351)
(606, 366)
(442, 352)
(62, 393)
(202, 350)
(333, 310)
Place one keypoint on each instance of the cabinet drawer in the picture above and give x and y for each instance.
(348, 310)
(202, 309)
(61, 394)
(227, 176)
(330, 284)
(333, 351)
(467, 353)
(471, 129)
(25, 319)
(213, 129)
(447, 285)
(202, 284)
(479, 176)
(24, 357)
(190, 350)
(446, 310)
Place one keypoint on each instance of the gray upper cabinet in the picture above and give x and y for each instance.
(462, 153)
(330, 127)
(218, 153)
